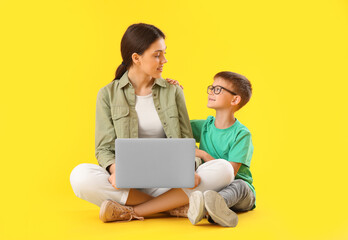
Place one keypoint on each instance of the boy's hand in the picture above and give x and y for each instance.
(199, 153)
(203, 155)
(197, 181)
(174, 82)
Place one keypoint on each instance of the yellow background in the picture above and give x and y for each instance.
(56, 55)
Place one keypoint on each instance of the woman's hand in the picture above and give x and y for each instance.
(197, 181)
(174, 82)
(112, 178)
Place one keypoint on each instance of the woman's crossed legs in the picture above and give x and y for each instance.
(90, 182)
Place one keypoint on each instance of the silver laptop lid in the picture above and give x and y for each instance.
(155, 162)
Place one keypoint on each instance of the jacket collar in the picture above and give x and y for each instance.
(124, 80)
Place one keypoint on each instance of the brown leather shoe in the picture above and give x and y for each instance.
(111, 211)
(179, 211)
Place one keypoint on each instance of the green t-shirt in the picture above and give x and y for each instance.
(232, 144)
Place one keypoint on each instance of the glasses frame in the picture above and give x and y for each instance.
(212, 88)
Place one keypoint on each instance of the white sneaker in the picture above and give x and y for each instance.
(218, 209)
(196, 210)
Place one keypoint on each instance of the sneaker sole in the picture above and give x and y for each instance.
(218, 210)
(196, 209)
(103, 207)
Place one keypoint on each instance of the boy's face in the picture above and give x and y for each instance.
(224, 99)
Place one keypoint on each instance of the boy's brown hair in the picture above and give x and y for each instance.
(241, 85)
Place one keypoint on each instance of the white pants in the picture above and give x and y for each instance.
(90, 182)
(215, 175)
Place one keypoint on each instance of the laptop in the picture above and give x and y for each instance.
(155, 162)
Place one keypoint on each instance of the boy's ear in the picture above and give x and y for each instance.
(235, 100)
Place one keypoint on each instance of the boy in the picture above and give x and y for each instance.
(224, 137)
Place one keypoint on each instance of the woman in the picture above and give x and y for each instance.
(137, 103)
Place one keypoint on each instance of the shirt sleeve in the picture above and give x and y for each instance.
(242, 149)
(104, 131)
(184, 120)
(197, 126)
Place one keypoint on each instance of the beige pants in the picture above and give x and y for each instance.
(90, 182)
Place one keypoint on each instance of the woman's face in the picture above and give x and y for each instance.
(153, 59)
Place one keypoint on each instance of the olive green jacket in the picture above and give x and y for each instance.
(116, 116)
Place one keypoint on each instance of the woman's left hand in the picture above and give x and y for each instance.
(174, 82)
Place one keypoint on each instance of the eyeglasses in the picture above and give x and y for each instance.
(217, 89)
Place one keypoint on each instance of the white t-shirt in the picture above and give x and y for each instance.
(149, 124)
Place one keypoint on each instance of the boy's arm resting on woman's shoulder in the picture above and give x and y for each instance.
(104, 131)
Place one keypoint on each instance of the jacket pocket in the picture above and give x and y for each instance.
(172, 112)
(120, 112)
(120, 118)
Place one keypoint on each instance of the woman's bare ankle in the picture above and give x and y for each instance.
(136, 197)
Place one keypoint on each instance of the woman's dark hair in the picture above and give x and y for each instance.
(137, 38)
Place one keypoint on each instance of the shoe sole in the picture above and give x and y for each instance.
(196, 209)
(218, 210)
(102, 211)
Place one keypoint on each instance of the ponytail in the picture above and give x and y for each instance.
(120, 71)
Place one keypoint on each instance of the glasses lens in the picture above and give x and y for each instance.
(210, 87)
(217, 89)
